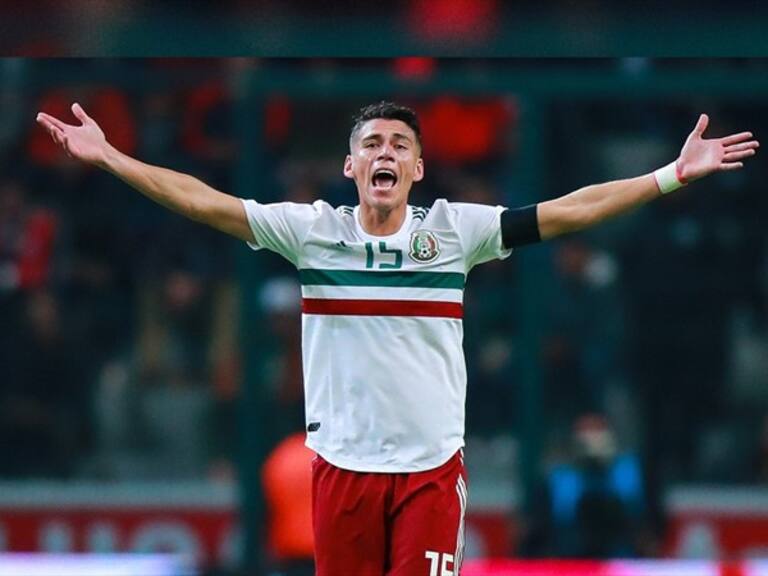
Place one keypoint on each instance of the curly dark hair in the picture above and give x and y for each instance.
(387, 111)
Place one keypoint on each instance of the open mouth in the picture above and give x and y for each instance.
(384, 178)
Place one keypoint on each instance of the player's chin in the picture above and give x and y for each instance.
(384, 197)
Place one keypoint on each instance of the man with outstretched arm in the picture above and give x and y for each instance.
(382, 291)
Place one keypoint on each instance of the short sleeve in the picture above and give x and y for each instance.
(479, 229)
(280, 227)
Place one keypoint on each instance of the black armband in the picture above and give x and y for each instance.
(519, 226)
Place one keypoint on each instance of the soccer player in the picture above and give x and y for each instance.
(382, 286)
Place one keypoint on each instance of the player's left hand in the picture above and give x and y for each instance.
(700, 157)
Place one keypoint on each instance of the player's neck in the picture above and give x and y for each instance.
(382, 222)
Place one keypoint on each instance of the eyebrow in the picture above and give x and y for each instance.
(378, 136)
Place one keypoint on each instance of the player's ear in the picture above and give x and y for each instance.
(348, 167)
(418, 172)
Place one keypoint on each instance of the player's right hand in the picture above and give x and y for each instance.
(85, 142)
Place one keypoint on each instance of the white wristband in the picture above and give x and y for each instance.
(667, 178)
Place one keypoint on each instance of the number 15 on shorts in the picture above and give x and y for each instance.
(439, 561)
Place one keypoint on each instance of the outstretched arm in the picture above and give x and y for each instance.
(179, 192)
(593, 204)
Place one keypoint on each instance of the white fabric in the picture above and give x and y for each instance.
(388, 391)
(666, 178)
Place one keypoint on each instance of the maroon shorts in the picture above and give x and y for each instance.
(375, 524)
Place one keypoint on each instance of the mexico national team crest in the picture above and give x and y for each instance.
(424, 246)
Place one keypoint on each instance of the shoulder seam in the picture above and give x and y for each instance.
(300, 255)
(452, 218)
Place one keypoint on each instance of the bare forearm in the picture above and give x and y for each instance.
(591, 205)
(594, 204)
(182, 193)
(600, 202)
(176, 191)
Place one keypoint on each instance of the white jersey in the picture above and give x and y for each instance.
(384, 374)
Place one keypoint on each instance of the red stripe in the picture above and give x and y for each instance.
(381, 308)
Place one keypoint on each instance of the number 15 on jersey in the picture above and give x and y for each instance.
(382, 257)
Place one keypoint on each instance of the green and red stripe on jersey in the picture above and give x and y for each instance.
(397, 280)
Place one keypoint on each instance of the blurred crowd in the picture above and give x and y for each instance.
(449, 27)
(120, 320)
(121, 323)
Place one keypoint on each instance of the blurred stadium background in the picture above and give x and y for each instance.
(151, 366)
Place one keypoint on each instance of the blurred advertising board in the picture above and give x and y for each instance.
(194, 520)
(717, 522)
(94, 565)
(613, 568)
(198, 521)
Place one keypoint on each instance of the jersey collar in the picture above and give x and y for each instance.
(403, 228)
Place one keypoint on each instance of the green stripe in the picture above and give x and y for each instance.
(313, 277)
